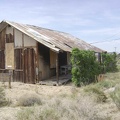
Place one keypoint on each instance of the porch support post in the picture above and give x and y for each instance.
(57, 69)
(23, 56)
(37, 64)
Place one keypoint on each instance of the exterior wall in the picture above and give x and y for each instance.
(24, 55)
(9, 56)
(9, 30)
(2, 49)
(28, 42)
(44, 62)
(44, 70)
(18, 38)
(68, 58)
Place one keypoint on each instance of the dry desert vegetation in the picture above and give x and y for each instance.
(98, 101)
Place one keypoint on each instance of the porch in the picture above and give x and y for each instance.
(63, 79)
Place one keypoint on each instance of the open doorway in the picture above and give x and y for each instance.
(62, 58)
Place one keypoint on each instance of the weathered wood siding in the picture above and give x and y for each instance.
(44, 62)
(53, 57)
(2, 40)
(2, 49)
(68, 58)
(9, 30)
(28, 41)
(29, 65)
(9, 58)
(2, 59)
(18, 38)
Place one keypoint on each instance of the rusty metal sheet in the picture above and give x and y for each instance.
(55, 40)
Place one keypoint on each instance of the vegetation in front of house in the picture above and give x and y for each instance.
(109, 62)
(84, 66)
(57, 108)
(90, 102)
(29, 100)
(3, 100)
(115, 95)
(99, 95)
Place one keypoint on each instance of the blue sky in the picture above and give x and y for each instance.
(90, 20)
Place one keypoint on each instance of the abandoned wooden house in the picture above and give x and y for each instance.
(35, 53)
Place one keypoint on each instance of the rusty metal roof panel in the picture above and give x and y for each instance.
(55, 40)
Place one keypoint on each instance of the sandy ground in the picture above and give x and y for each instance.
(19, 89)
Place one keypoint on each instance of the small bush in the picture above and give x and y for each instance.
(29, 100)
(81, 108)
(3, 100)
(25, 114)
(105, 84)
(116, 96)
(99, 95)
(109, 62)
(84, 66)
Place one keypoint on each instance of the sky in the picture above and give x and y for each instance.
(95, 21)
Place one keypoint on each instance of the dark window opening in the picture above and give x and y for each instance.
(62, 58)
(44, 53)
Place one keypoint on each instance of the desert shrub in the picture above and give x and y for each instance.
(109, 62)
(3, 100)
(116, 96)
(98, 94)
(84, 66)
(105, 84)
(25, 114)
(81, 108)
(29, 100)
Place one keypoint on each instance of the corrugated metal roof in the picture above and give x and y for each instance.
(55, 40)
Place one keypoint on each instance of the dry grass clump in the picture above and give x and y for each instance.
(29, 100)
(81, 108)
(106, 84)
(98, 94)
(115, 95)
(3, 100)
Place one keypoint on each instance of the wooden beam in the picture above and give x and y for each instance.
(23, 55)
(57, 69)
(36, 62)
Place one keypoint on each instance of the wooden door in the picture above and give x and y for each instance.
(29, 65)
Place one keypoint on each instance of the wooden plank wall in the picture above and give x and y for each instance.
(29, 65)
(24, 71)
(18, 72)
(2, 40)
(23, 57)
(2, 59)
(53, 57)
(18, 59)
(9, 38)
(9, 52)
(2, 49)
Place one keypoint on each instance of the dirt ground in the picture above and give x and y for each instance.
(18, 89)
